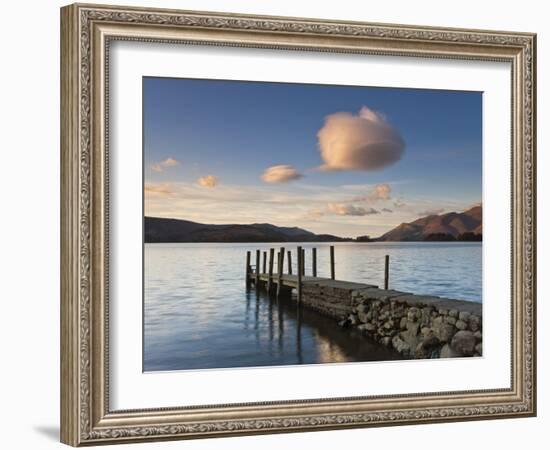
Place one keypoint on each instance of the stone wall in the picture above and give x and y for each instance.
(415, 326)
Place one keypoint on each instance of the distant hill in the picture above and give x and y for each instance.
(451, 226)
(175, 230)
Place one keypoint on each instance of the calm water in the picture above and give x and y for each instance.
(198, 314)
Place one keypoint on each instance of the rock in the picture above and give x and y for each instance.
(461, 325)
(464, 343)
(478, 335)
(425, 331)
(400, 345)
(344, 323)
(453, 313)
(386, 341)
(388, 325)
(479, 348)
(443, 332)
(353, 319)
(413, 327)
(464, 316)
(448, 352)
(412, 314)
(450, 320)
(367, 327)
(363, 317)
(443, 311)
(475, 322)
(362, 308)
(403, 323)
(438, 321)
(425, 348)
(426, 315)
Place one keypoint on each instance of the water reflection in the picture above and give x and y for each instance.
(205, 318)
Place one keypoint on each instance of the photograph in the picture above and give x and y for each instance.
(289, 223)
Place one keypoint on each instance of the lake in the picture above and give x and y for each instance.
(198, 313)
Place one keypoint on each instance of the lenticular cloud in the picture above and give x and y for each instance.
(365, 141)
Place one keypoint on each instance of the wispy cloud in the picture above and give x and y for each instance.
(341, 209)
(158, 190)
(378, 192)
(280, 174)
(160, 166)
(365, 141)
(208, 181)
(431, 212)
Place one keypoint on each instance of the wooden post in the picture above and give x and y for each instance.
(387, 272)
(270, 274)
(247, 272)
(289, 255)
(257, 280)
(314, 261)
(280, 265)
(332, 262)
(265, 263)
(303, 262)
(299, 271)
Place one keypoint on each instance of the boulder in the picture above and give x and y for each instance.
(464, 316)
(461, 325)
(444, 332)
(474, 322)
(400, 345)
(453, 313)
(367, 327)
(450, 320)
(464, 343)
(448, 352)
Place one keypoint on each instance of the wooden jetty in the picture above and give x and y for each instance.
(264, 275)
(313, 290)
(393, 318)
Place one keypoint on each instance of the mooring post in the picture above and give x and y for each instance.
(280, 265)
(270, 274)
(247, 272)
(332, 262)
(387, 272)
(314, 261)
(265, 263)
(299, 271)
(303, 262)
(289, 254)
(257, 278)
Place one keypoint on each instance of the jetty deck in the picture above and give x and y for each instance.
(291, 281)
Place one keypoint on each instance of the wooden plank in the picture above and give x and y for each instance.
(387, 272)
(270, 278)
(265, 263)
(280, 264)
(289, 262)
(257, 267)
(332, 275)
(314, 261)
(247, 270)
(300, 267)
(303, 262)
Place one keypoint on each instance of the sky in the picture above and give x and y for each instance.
(342, 160)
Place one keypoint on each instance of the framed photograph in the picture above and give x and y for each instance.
(275, 224)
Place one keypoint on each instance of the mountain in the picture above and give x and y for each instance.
(451, 226)
(158, 229)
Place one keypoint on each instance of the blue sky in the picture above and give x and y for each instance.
(343, 160)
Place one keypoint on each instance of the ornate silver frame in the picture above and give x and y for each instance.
(86, 31)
